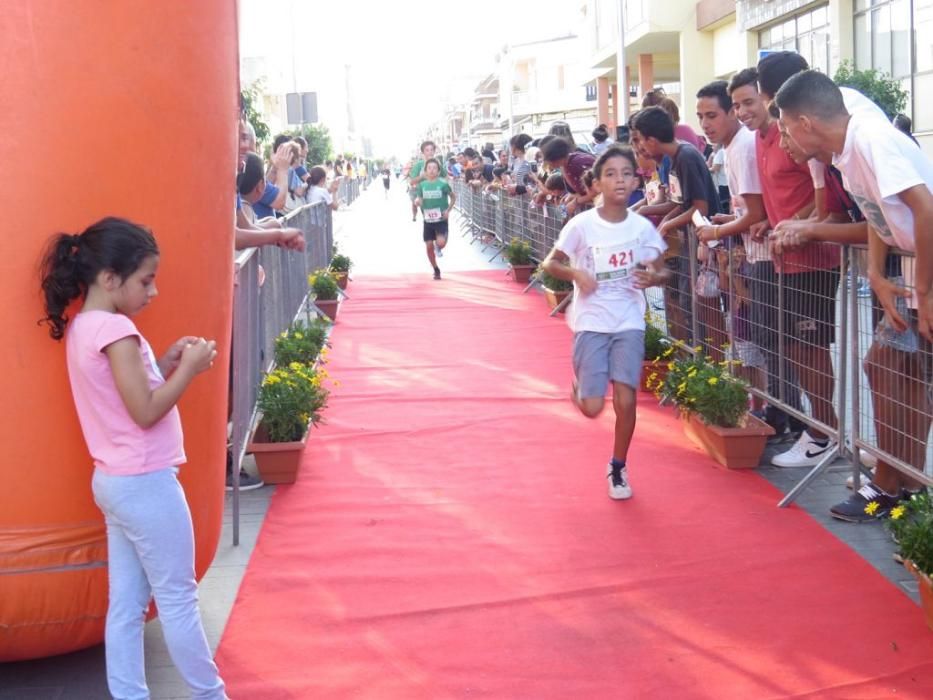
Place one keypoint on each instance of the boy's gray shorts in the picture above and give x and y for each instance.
(601, 357)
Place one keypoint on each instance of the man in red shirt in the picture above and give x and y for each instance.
(810, 277)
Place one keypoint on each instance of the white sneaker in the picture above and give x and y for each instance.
(619, 489)
(862, 480)
(438, 251)
(806, 452)
(868, 460)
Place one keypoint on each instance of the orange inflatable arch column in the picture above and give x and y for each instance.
(125, 109)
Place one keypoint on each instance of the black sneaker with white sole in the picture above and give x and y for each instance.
(867, 504)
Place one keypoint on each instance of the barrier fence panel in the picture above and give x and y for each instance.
(891, 377)
(246, 364)
(271, 290)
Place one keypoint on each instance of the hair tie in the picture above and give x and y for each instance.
(75, 241)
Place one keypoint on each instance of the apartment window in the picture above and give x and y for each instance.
(896, 37)
(807, 33)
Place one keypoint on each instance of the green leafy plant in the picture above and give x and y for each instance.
(911, 523)
(700, 386)
(324, 285)
(291, 398)
(517, 252)
(340, 263)
(553, 283)
(879, 87)
(250, 98)
(657, 345)
(320, 145)
(301, 342)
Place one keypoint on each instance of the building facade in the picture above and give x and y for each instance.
(683, 44)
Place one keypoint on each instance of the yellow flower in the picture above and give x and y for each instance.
(712, 381)
(681, 388)
(897, 512)
(667, 352)
(670, 365)
(271, 379)
(298, 335)
(653, 375)
(283, 334)
(872, 507)
(698, 348)
(295, 366)
(692, 373)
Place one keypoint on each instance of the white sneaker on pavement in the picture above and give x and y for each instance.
(806, 452)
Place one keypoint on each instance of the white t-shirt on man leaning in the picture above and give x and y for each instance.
(610, 252)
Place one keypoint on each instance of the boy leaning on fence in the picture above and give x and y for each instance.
(610, 255)
(891, 180)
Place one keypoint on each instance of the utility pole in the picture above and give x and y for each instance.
(622, 98)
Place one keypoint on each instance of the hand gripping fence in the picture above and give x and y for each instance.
(262, 310)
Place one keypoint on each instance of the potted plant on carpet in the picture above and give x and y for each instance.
(911, 523)
(323, 285)
(340, 265)
(714, 408)
(555, 290)
(290, 401)
(517, 253)
(302, 342)
(658, 349)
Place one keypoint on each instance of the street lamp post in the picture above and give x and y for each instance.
(621, 78)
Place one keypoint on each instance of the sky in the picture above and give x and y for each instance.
(405, 57)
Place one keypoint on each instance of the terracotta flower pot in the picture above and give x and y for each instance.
(328, 307)
(342, 278)
(733, 448)
(278, 462)
(555, 298)
(649, 367)
(521, 273)
(926, 590)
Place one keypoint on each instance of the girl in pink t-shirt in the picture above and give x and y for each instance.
(125, 400)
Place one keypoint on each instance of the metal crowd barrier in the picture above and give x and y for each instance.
(348, 190)
(807, 340)
(496, 218)
(270, 292)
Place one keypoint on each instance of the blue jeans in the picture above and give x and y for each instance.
(150, 544)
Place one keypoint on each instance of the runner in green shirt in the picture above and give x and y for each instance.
(416, 175)
(436, 199)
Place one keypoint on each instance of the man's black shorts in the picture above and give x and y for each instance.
(433, 229)
(810, 306)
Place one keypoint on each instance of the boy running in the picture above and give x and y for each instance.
(610, 255)
(436, 199)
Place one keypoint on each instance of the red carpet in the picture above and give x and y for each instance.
(450, 537)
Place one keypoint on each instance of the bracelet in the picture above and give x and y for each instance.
(716, 230)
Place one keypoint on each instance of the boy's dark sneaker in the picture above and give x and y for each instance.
(437, 274)
(248, 482)
(853, 509)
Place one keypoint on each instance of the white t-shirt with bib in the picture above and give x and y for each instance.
(610, 252)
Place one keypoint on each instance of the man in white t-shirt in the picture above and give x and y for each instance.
(720, 124)
(610, 254)
(891, 180)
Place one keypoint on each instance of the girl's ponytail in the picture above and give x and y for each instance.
(72, 262)
(61, 280)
